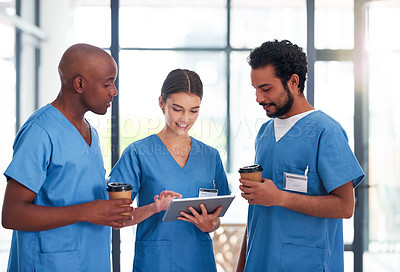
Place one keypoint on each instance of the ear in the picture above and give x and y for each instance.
(78, 84)
(293, 83)
(161, 103)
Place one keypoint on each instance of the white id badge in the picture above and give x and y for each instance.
(204, 192)
(295, 182)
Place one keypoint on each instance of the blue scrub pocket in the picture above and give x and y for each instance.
(59, 261)
(314, 184)
(302, 258)
(152, 256)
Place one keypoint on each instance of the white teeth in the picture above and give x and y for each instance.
(182, 126)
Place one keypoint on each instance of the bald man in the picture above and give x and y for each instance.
(56, 200)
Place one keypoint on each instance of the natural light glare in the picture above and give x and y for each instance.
(387, 13)
(93, 25)
(172, 26)
(334, 95)
(256, 24)
(384, 136)
(7, 121)
(330, 31)
(140, 87)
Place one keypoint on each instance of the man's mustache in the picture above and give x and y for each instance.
(266, 104)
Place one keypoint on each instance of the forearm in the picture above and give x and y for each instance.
(338, 204)
(328, 206)
(142, 213)
(31, 217)
(161, 203)
(20, 212)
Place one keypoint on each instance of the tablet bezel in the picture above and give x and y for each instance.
(182, 204)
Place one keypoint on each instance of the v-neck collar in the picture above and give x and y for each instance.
(172, 157)
(64, 119)
(303, 117)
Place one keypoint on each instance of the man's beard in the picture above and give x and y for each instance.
(281, 110)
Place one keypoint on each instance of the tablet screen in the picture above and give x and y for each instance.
(211, 203)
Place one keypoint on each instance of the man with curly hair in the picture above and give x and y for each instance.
(309, 172)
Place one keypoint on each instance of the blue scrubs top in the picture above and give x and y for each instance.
(150, 168)
(52, 159)
(283, 240)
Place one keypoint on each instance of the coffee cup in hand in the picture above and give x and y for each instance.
(117, 190)
(251, 172)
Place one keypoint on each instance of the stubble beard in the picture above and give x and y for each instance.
(287, 105)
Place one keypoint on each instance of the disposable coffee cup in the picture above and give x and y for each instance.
(117, 190)
(251, 172)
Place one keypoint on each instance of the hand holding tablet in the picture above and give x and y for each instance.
(211, 203)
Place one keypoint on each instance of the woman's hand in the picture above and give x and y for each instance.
(161, 202)
(204, 221)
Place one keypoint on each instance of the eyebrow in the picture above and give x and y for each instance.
(109, 79)
(263, 85)
(176, 105)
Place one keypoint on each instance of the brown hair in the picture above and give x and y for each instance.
(182, 81)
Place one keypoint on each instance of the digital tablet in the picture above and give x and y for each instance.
(182, 204)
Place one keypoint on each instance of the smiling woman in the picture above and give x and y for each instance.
(181, 111)
(179, 101)
(173, 160)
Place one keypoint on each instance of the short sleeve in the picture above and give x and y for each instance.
(337, 164)
(127, 169)
(32, 154)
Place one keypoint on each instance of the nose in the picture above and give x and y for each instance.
(259, 97)
(185, 116)
(114, 90)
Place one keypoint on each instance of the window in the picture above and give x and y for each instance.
(254, 22)
(141, 76)
(384, 136)
(92, 24)
(158, 36)
(7, 119)
(334, 77)
(334, 27)
(214, 38)
(7, 110)
(172, 24)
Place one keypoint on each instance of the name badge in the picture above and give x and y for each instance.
(295, 183)
(204, 192)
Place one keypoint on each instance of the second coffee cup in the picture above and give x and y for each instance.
(117, 190)
(251, 172)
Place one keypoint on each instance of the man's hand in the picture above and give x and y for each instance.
(261, 193)
(107, 212)
(19, 212)
(339, 203)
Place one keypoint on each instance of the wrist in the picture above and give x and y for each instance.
(153, 207)
(215, 225)
(282, 200)
(81, 212)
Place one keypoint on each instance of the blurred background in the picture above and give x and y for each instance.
(353, 48)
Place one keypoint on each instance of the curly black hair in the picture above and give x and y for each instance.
(286, 57)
